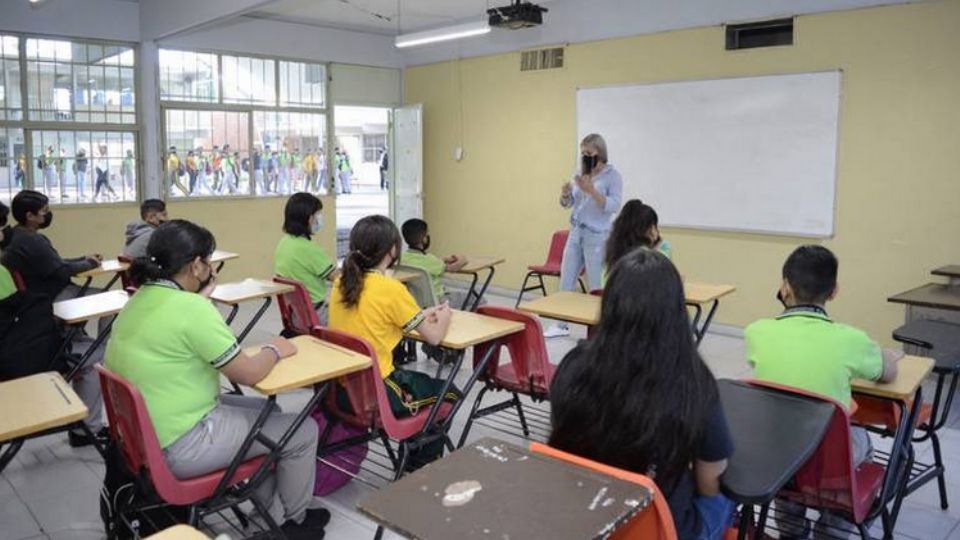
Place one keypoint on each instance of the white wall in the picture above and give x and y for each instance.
(102, 19)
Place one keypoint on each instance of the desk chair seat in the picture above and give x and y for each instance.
(132, 430)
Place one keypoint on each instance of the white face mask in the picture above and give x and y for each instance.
(317, 224)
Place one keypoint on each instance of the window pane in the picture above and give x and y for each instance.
(248, 80)
(13, 163)
(302, 84)
(10, 78)
(82, 166)
(291, 157)
(188, 76)
(207, 153)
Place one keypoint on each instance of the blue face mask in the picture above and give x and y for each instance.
(317, 224)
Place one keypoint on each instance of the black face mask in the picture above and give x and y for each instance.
(426, 243)
(588, 163)
(47, 220)
(781, 300)
(204, 283)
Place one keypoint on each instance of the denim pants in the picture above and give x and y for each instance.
(716, 515)
(585, 248)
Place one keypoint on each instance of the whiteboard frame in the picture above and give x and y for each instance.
(836, 165)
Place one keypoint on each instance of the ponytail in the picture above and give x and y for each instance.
(371, 240)
(172, 246)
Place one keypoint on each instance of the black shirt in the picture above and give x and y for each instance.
(43, 270)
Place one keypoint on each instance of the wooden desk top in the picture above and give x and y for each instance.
(36, 403)
(704, 293)
(931, 295)
(493, 490)
(219, 255)
(566, 306)
(402, 276)
(911, 371)
(475, 264)
(246, 290)
(951, 270)
(316, 361)
(107, 266)
(468, 329)
(93, 306)
(179, 532)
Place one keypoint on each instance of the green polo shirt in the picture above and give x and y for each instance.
(807, 350)
(429, 263)
(300, 259)
(171, 344)
(7, 285)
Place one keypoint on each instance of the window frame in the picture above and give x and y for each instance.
(31, 126)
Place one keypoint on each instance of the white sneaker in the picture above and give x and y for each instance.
(556, 330)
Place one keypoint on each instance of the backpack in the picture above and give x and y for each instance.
(29, 336)
(330, 479)
(121, 497)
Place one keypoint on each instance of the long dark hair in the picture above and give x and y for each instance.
(297, 212)
(637, 394)
(371, 240)
(630, 230)
(172, 246)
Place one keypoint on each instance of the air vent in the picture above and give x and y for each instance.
(752, 35)
(541, 59)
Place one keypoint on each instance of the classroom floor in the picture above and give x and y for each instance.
(51, 490)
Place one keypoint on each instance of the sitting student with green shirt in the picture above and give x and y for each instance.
(297, 257)
(173, 345)
(417, 237)
(806, 349)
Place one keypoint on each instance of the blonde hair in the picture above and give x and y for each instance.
(595, 141)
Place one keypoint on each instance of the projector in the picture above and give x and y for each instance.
(517, 15)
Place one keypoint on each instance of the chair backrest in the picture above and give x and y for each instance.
(557, 243)
(132, 429)
(420, 287)
(528, 351)
(18, 280)
(827, 477)
(650, 524)
(296, 309)
(125, 280)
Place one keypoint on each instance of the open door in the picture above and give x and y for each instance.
(406, 154)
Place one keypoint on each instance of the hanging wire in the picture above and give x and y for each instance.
(362, 9)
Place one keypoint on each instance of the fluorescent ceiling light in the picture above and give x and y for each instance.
(443, 34)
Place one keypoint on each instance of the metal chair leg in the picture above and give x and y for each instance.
(523, 420)
(938, 463)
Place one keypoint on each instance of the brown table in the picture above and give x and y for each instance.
(236, 293)
(474, 266)
(107, 266)
(76, 312)
(403, 276)
(33, 406)
(931, 295)
(221, 256)
(951, 271)
(523, 495)
(179, 532)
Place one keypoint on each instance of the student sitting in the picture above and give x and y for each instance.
(367, 303)
(47, 276)
(153, 213)
(637, 225)
(298, 258)
(806, 349)
(417, 237)
(637, 396)
(173, 345)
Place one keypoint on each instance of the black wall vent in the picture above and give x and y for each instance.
(774, 33)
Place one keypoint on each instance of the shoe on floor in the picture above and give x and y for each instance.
(79, 439)
(317, 518)
(556, 330)
(311, 528)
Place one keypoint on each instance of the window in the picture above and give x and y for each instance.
(85, 166)
(80, 82)
(10, 106)
(13, 163)
(207, 153)
(302, 85)
(249, 80)
(373, 144)
(188, 76)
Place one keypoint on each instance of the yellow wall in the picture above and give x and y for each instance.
(899, 158)
(250, 227)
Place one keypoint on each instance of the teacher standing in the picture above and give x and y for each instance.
(594, 197)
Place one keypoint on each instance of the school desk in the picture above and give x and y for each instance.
(179, 532)
(492, 490)
(76, 312)
(33, 406)
(317, 363)
(906, 394)
(220, 256)
(931, 295)
(698, 295)
(235, 293)
(951, 271)
(402, 276)
(474, 266)
(107, 266)
(466, 330)
(773, 435)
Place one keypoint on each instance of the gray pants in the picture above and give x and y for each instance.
(215, 440)
(828, 525)
(86, 383)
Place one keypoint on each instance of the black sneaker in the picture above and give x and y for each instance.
(79, 439)
(317, 518)
(300, 531)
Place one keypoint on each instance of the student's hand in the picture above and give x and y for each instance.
(451, 259)
(892, 355)
(285, 346)
(567, 190)
(95, 257)
(208, 290)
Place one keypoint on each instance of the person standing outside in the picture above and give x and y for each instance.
(594, 197)
(80, 171)
(127, 167)
(384, 166)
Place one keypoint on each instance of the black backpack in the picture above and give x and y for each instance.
(29, 336)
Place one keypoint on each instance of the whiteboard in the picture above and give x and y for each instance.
(752, 154)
